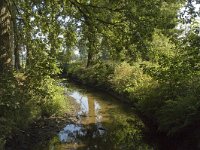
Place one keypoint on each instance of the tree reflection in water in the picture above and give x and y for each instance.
(103, 124)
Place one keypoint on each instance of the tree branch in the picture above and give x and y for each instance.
(101, 7)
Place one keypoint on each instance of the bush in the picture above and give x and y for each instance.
(131, 80)
(183, 111)
(97, 75)
(46, 96)
(25, 99)
(55, 102)
(10, 102)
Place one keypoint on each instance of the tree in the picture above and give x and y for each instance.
(6, 37)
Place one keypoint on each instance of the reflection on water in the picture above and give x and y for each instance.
(81, 99)
(70, 133)
(102, 124)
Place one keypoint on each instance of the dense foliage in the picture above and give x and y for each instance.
(27, 88)
(159, 75)
(135, 48)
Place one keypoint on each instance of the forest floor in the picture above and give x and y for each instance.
(41, 131)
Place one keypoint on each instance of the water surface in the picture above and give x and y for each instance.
(102, 124)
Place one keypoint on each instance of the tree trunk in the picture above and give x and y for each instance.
(6, 38)
(17, 59)
(16, 39)
(89, 59)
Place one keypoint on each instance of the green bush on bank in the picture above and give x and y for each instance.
(26, 99)
(9, 105)
(183, 110)
(131, 80)
(97, 75)
(47, 96)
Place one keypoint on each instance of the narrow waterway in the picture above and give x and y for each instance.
(102, 123)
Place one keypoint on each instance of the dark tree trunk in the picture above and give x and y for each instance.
(89, 59)
(17, 59)
(6, 38)
(16, 41)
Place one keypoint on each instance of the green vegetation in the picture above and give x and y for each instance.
(159, 75)
(134, 48)
(27, 88)
(167, 96)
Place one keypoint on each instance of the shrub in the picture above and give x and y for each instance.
(46, 96)
(10, 102)
(131, 80)
(178, 114)
(55, 103)
(183, 111)
(97, 75)
(23, 101)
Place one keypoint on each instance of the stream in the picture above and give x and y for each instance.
(101, 123)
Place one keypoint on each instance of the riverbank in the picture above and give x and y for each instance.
(41, 131)
(24, 99)
(151, 100)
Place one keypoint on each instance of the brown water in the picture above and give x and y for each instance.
(103, 124)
